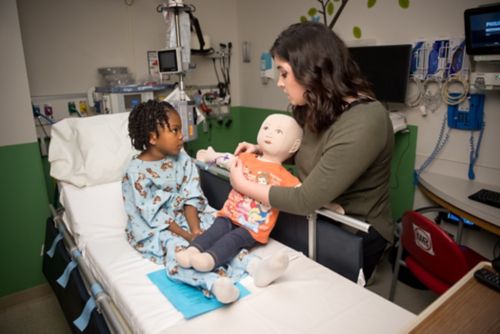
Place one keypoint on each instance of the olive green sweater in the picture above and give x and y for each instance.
(350, 164)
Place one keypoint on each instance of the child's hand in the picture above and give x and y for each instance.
(192, 235)
(196, 233)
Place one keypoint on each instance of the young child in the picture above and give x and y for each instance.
(244, 222)
(165, 205)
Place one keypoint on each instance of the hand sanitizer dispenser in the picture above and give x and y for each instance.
(266, 67)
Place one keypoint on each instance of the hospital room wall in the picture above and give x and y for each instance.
(384, 23)
(23, 200)
(66, 42)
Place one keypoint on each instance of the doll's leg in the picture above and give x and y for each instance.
(223, 250)
(204, 241)
(264, 272)
(222, 288)
(225, 291)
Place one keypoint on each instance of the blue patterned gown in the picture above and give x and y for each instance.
(155, 193)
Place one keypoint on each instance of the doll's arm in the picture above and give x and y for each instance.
(212, 157)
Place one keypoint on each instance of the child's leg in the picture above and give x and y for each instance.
(223, 250)
(204, 241)
(264, 272)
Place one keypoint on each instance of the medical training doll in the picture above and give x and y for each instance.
(243, 223)
(163, 200)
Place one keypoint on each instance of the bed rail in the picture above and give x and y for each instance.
(114, 319)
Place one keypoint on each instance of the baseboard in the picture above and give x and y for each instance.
(25, 295)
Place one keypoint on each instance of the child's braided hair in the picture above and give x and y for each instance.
(144, 119)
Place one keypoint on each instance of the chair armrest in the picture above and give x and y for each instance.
(346, 220)
(343, 219)
(223, 173)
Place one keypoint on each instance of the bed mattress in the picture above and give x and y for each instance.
(308, 298)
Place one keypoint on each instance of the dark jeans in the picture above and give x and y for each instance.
(223, 240)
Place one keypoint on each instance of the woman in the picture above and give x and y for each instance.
(348, 140)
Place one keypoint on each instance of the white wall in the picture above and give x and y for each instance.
(385, 23)
(16, 125)
(66, 41)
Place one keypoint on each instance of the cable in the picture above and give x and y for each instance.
(474, 152)
(420, 92)
(431, 100)
(441, 142)
(455, 97)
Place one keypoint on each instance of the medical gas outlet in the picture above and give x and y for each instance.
(485, 81)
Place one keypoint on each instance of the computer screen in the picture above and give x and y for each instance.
(387, 68)
(482, 30)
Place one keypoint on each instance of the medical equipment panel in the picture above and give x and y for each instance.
(482, 32)
(169, 61)
(467, 115)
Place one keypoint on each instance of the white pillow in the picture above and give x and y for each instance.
(93, 212)
(90, 150)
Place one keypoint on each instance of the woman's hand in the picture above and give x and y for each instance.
(236, 176)
(240, 183)
(246, 147)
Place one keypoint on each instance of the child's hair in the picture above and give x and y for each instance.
(144, 119)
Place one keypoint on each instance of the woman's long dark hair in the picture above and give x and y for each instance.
(321, 63)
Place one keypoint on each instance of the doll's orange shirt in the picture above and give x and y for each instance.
(256, 217)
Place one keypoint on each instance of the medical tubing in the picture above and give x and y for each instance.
(431, 100)
(420, 92)
(452, 99)
(439, 145)
(474, 152)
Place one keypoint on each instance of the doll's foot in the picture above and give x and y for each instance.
(183, 257)
(264, 272)
(224, 290)
(203, 262)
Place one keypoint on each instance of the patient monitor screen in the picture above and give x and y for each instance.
(169, 61)
(482, 30)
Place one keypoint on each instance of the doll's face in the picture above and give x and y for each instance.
(279, 137)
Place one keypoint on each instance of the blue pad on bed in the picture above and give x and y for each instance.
(187, 299)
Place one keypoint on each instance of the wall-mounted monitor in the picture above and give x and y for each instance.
(169, 61)
(387, 68)
(482, 30)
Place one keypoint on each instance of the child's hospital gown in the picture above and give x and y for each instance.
(155, 193)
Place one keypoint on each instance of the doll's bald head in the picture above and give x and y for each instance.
(279, 137)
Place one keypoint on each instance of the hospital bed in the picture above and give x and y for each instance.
(101, 281)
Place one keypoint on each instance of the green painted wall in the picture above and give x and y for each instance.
(244, 127)
(403, 165)
(24, 209)
(246, 124)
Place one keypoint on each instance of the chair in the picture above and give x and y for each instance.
(433, 256)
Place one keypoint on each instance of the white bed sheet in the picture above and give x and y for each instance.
(308, 298)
